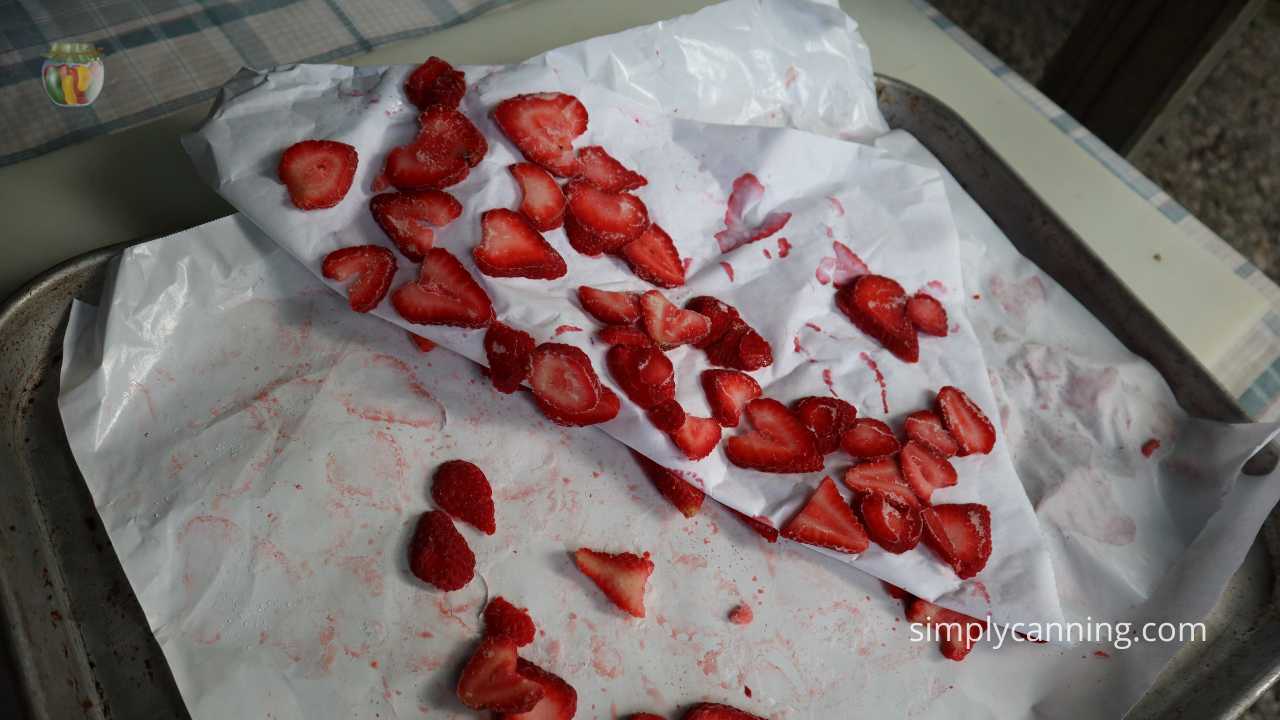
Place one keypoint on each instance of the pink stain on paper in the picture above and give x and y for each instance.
(567, 329)
(830, 381)
(836, 205)
(884, 390)
(784, 247)
(405, 374)
(728, 269)
(746, 194)
(842, 267)
(1018, 298)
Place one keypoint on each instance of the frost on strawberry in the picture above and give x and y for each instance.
(653, 257)
(778, 443)
(880, 476)
(541, 199)
(827, 521)
(543, 127)
(435, 82)
(411, 218)
(728, 392)
(668, 325)
(730, 342)
(926, 428)
(924, 470)
(511, 247)
(697, 436)
(447, 146)
(972, 430)
(559, 699)
(438, 554)
(927, 314)
(892, 525)
(868, 438)
(566, 388)
(509, 353)
(317, 173)
(600, 169)
(827, 418)
(610, 307)
(644, 374)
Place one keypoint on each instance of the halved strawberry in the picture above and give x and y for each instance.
(960, 534)
(461, 489)
(421, 343)
(448, 145)
(543, 127)
(653, 258)
(716, 711)
(582, 239)
(668, 416)
(490, 680)
(510, 355)
(625, 335)
(620, 576)
(615, 218)
(371, 266)
(893, 526)
(685, 497)
(502, 619)
(601, 170)
(760, 526)
(566, 387)
(966, 422)
(957, 632)
(644, 374)
(408, 218)
(780, 442)
(438, 554)
(668, 325)
(924, 470)
(827, 521)
(827, 418)
(444, 294)
(559, 699)
(728, 392)
(869, 438)
(607, 306)
(697, 437)
(927, 314)
(542, 200)
(877, 305)
(435, 82)
(883, 476)
(926, 428)
(511, 247)
(317, 173)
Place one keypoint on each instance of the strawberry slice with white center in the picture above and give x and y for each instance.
(882, 476)
(604, 411)
(582, 239)
(653, 258)
(966, 422)
(927, 314)
(435, 82)
(600, 169)
(960, 534)
(542, 200)
(869, 438)
(566, 387)
(697, 436)
(510, 355)
(957, 632)
(893, 526)
(410, 218)
(877, 305)
(716, 711)
(621, 576)
(511, 247)
(624, 335)
(728, 392)
(644, 374)
(685, 497)
(559, 699)
(924, 470)
(543, 127)
(614, 218)
(668, 416)
(668, 325)
(317, 173)
(371, 266)
(444, 294)
(448, 145)
(827, 418)
(490, 680)
(609, 307)
(827, 521)
(926, 428)
(780, 443)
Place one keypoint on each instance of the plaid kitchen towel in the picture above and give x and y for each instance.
(74, 69)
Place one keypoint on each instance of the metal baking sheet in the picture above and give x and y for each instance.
(80, 643)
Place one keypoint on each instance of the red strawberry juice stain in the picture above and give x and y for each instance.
(801, 349)
(1018, 298)
(741, 614)
(605, 660)
(1101, 654)
(936, 286)
(1149, 447)
(746, 690)
(709, 663)
(728, 270)
(686, 263)
(784, 247)
(826, 378)
(813, 326)
(884, 391)
(836, 205)
(745, 194)
(567, 329)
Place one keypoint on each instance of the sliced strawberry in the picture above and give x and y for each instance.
(625, 335)
(728, 392)
(435, 82)
(438, 554)
(566, 387)
(924, 470)
(371, 266)
(668, 416)
(869, 438)
(543, 127)
(877, 305)
(685, 497)
(827, 521)
(444, 294)
(461, 489)
(731, 342)
(448, 145)
(511, 247)
(317, 173)
(780, 442)
(559, 699)
(502, 619)
(668, 325)
(927, 314)
(644, 374)
(421, 343)
(408, 218)
(601, 170)
(653, 258)
(542, 200)
(893, 526)
(716, 711)
(760, 526)
(880, 476)
(490, 680)
(604, 411)
(926, 428)
(960, 534)
(966, 422)
(582, 239)
(721, 315)
(510, 355)
(697, 437)
(620, 576)
(827, 418)
(614, 308)
(957, 632)
(615, 218)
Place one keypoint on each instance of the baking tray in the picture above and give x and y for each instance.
(79, 642)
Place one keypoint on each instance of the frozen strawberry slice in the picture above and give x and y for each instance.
(614, 308)
(604, 411)
(746, 194)
(927, 314)
(685, 497)
(542, 201)
(721, 315)
(511, 247)
(668, 416)
(960, 534)
(780, 442)
(543, 127)
(423, 344)
(731, 342)
(409, 218)
(614, 218)
(317, 173)
(625, 335)
(371, 266)
(448, 145)
(566, 387)
(827, 521)
(877, 305)
(697, 437)
(559, 699)
(893, 526)
(502, 619)
(728, 392)
(444, 294)
(510, 355)
(438, 554)
(716, 711)
(957, 632)
(461, 489)
(759, 526)
(435, 82)
(883, 476)
(643, 373)
(869, 438)
(926, 428)
(827, 418)
(601, 170)
(924, 470)
(668, 325)
(653, 258)
(620, 576)
(966, 422)
(490, 680)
